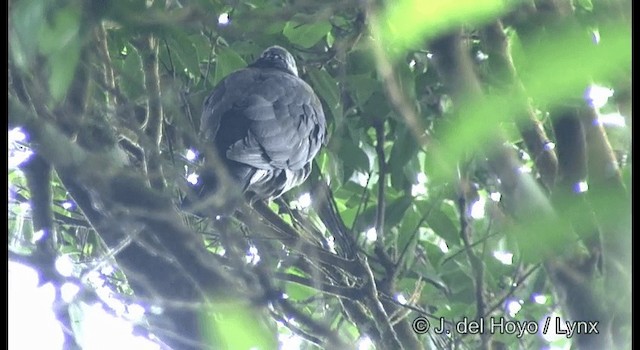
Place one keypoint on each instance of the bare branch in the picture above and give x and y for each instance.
(148, 50)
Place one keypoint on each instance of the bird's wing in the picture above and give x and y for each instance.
(230, 91)
(265, 118)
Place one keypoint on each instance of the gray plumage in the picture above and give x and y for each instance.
(266, 124)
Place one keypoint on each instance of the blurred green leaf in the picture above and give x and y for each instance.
(305, 34)
(406, 81)
(131, 78)
(554, 64)
(227, 62)
(540, 236)
(234, 326)
(62, 31)
(455, 311)
(275, 27)
(551, 78)
(63, 66)
(406, 23)
(585, 4)
(330, 39)
(27, 22)
(60, 43)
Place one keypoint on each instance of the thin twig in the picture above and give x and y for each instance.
(380, 250)
(342, 292)
(148, 49)
(477, 266)
(389, 338)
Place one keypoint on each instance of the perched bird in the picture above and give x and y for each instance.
(266, 125)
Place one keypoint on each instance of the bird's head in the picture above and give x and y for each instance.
(277, 57)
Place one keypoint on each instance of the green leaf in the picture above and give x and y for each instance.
(305, 34)
(227, 62)
(59, 41)
(232, 325)
(407, 233)
(455, 311)
(398, 180)
(511, 132)
(202, 45)
(361, 62)
(586, 4)
(63, 31)
(246, 48)
(408, 22)
(554, 76)
(353, 156)
(363, 86)
(335, 169)
(349, 214)
(403, 150)
(184, 49)
(411, 170)
(274, 28)
(377, 107)
(26, 25)
(395, 211)
(444, 227)
(327, 88)
(131, 79)
(299, 292)
(63, 66)
(406, 81)
(330, 39)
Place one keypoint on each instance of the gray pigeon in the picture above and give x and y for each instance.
(266, 124)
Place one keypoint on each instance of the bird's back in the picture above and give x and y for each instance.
(266, 125)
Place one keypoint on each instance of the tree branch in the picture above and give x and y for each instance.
(148, 49)
(380, 248)
(389, 338)
(105, 191)
(477, 265)
(530, 128)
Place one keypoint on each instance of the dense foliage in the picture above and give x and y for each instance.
(477, 171)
